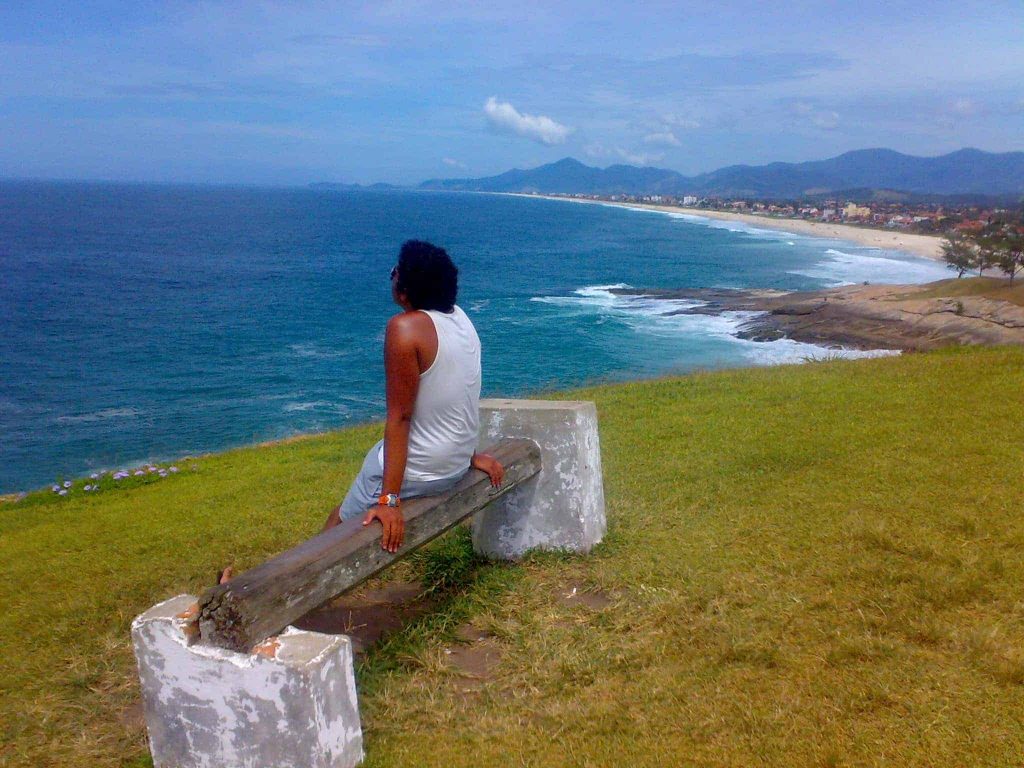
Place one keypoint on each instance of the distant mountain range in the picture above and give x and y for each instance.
(868, 172)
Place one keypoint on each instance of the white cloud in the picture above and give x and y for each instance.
(678, 121)
(599, 151)
(453, 162)
(505, 117)
(638, 158)
(826, 120)
(662, 139)
(964, 108)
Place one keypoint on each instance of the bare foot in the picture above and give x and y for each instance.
(225, 575)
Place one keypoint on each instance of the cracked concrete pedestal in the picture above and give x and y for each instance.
(562, 508)
(292, 702)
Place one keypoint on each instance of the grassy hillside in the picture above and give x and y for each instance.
(995, 288)
(809, 565)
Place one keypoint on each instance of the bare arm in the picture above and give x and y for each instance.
(402, 376)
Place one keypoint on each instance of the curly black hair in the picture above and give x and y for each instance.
(427, 276)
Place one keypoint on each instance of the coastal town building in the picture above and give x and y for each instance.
(854, 211)
(895, 214)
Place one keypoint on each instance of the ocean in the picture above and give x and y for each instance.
(146, 322)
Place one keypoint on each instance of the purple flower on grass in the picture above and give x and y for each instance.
(173, 469)
(94, 475)
(56, 488)
(87, 488)
(162, 473)
(67, 483)
(139, 472)
(62, 492)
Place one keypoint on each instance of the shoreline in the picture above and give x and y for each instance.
(926, 246)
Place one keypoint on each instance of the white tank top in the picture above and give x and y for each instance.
(446, 417)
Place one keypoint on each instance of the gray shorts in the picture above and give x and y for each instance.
(369, 483)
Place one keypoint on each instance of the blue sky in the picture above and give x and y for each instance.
(288, 93)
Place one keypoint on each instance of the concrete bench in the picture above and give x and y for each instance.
(227, 682)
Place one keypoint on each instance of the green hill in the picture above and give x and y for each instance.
(806, 565)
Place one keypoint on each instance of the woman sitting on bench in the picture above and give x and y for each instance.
(432, 375)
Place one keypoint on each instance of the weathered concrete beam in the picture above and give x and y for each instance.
(562, 507)
(264, 600)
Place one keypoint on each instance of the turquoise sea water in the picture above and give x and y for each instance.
(147, 322)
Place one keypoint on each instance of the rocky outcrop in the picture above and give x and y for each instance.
(864, 317)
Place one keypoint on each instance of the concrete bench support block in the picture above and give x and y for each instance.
(562, 508)
(290, 703)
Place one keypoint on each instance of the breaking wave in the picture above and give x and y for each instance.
(661, 319)
(844, 268)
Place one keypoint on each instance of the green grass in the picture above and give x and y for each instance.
(806, 565)
(986, 287)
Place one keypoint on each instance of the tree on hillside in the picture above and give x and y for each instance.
(986, 252)
(1009, 252)
(960, 253)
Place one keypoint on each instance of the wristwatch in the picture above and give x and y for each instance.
(389, 500)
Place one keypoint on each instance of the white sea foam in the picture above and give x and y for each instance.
(315, 405)
(790, 351)
(660, 318)
(646, 313)
(738, 227)
(311, 350)
(104, 415)
(841, 267)
(844, 268)
(586, 296)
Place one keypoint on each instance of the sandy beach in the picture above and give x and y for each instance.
(928, 246)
